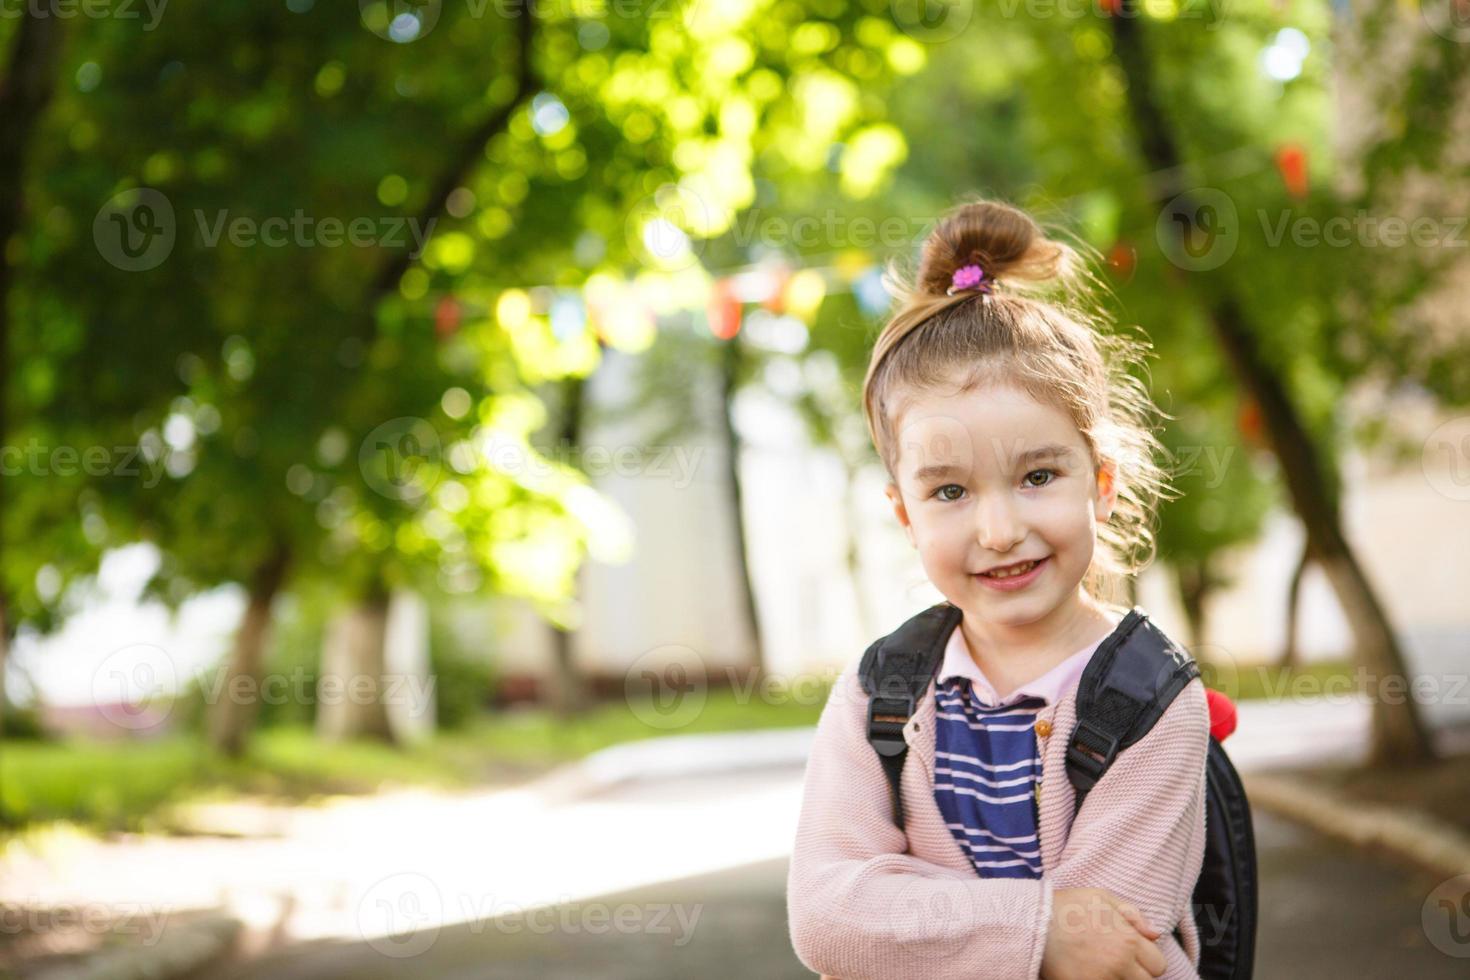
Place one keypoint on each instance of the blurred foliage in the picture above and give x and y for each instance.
(345, 402)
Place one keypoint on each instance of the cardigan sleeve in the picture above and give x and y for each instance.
(859, 907)
(1141, 831)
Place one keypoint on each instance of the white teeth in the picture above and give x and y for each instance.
(1018, 570)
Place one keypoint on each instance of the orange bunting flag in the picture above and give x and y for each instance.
(1291, 161)
(446, 316)
(1248, 421)
(1122, 259)
(723, 310)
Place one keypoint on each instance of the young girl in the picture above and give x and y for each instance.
(1022, 470)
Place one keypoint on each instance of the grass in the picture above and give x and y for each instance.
(1261, 682)
(125, 785)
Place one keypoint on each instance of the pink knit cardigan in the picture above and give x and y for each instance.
(867, 901)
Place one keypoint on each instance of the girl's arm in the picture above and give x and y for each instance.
(1141, 831)
(861, 908)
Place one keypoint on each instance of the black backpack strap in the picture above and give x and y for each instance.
(895, 672)
(1126, 687)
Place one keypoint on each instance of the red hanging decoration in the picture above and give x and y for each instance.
(723, 310)
(1248, 421)
(446, 316)
(1291, 162)
(1123, 260)
(775, 300)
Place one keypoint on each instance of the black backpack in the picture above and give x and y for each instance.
(1132, 677)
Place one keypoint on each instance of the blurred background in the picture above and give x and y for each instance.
(435, 500)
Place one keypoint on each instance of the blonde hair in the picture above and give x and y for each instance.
(1041, 331)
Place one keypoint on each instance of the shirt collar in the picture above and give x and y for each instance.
(1050, 686)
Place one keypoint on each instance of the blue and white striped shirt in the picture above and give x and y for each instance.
(987, 761)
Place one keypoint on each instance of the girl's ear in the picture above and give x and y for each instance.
(1106, 496)
(895, 497)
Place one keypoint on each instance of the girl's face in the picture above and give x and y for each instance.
(989, 478)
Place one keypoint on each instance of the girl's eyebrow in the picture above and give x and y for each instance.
(1053, 451)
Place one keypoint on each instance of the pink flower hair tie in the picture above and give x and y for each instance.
(968, 277)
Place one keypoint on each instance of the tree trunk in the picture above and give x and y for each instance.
(730, 365)
(5, 819)
(352, 685)
(232, 715)
(854, 558)
(1289, 652)
(567, 695)
(1398, 734)
(1193, 583)
(25, 90)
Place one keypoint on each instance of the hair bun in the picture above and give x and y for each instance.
(1007, 244)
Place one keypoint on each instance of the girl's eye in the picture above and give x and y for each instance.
(941, 495)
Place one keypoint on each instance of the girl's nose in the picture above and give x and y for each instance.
(997, 528)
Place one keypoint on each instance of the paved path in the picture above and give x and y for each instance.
(1328, 912)
(428, 875)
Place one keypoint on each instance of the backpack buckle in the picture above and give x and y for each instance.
(1093, 755)
(886, 718)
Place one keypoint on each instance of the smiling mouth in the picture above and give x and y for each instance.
(1013, 571)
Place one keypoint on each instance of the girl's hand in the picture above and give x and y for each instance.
(1094, 935)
